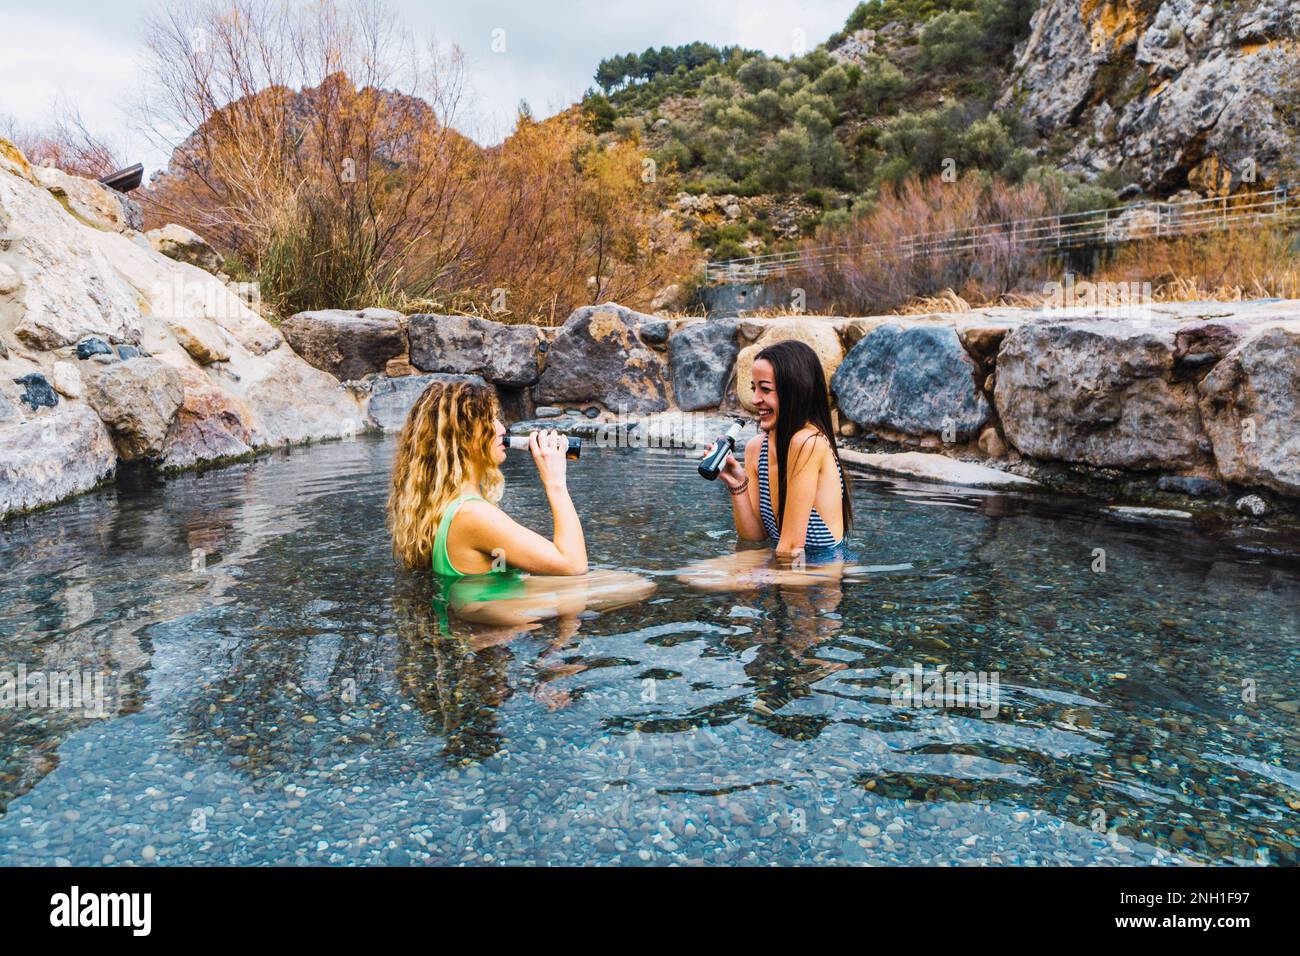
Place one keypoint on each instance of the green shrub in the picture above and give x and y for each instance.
(951, 41)
(760, 73)
(880, 83)
(787, 162)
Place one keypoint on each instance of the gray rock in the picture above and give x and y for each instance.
(1193, 487)
(599, 356)
(1250, 404)
(37, 392)
(548, 411)
(348, 345)
(1099, 392)
(467, 345)
(138, 400)
(918, 381)
(702, 357)
(655, 332)
(297, 403)
(128, 352)
(92, 345)
(62, 453)
(391, 398)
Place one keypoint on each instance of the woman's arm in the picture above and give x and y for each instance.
(807, 454)
(489, 528)
(744, 503)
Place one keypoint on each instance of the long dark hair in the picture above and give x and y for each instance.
(802, 399)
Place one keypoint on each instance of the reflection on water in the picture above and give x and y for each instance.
(286, 697)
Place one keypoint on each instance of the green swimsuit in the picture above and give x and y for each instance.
(459, 588)
(442, 565)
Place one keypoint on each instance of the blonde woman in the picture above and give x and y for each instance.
(447, 479)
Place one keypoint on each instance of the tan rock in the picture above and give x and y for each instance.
(201, 339)
(184, 245)
(91, 202)
(138, 400)
(1250, 404)
(400, 366)
(815, 332)
(66, 379)
(62, 453)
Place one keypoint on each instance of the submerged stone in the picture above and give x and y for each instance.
(1195, 487)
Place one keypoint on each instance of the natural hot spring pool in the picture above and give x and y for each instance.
(294, 704)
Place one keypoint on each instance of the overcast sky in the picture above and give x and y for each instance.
(87, 52)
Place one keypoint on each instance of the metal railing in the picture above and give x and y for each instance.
(1046, 234)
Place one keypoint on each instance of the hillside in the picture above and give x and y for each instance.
(1095, 99)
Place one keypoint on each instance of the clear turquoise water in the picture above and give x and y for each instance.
(295, 702)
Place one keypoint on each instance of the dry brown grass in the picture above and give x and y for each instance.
(1230, 266)
(868, 284)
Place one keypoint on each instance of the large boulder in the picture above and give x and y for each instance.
(817, 332)
(212, 425)
(348, 345)
(1099, 392)
(702, 356)
(138, 400)
(93, 203)
(506, 355)
(1250, 404)
(64, 291)
(391, 398)
(61, 453)
(184, 245)
(918, 381)
(296, 403)
(599, 355)
(72, 286)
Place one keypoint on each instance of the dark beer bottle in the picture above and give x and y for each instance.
(725, 445)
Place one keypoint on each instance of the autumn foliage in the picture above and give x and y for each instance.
(324, 161)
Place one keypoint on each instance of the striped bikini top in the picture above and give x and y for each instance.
(817, 535)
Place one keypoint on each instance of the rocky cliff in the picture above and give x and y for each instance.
(1179, 93)
(112, 352)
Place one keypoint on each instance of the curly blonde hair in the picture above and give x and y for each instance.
(445, 442)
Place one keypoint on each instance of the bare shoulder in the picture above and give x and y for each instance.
(477, 513)
(753, 446)
(809, 440)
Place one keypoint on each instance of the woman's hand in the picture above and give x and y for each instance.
(732, 472)
(548, 449)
